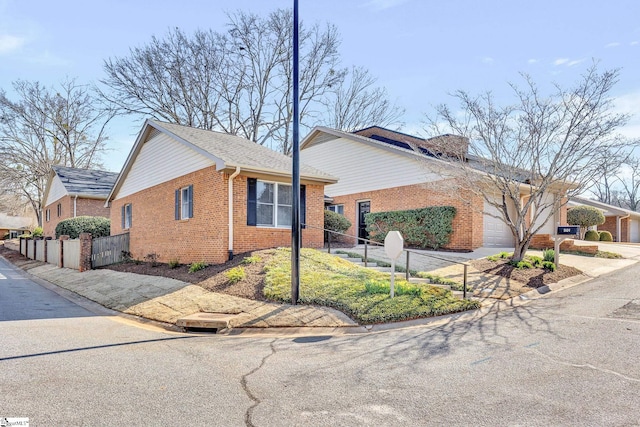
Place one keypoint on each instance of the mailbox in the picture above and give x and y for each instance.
(568, 230)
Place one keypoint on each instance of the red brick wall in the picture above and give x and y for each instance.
(610, 226)
(205, 236)
(467, 224)
(84, 207)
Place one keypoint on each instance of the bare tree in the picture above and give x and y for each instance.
(238, 81)
(608, 177)
(630, 184)
(45, 127)
(357, 103)
(524, 157)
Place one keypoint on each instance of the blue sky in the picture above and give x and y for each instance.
(420, 50)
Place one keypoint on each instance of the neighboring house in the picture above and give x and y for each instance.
(191, 195)
(382, 170)
(72, 192)
(13, 226)
(623, 224)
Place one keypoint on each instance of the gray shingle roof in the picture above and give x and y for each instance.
(86, 182)
(237, 151)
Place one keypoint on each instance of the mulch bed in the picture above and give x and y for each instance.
(212, 277)
(532, 277)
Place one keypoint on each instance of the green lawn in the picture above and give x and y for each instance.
(360, 293)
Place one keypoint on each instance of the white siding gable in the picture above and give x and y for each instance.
(56, 191)
(360, 167)
(161, 159)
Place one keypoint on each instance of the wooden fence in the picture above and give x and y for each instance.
(53, 251)
(109, 250)
(39, 248)
(71, 254)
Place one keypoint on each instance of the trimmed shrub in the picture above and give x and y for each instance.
(424, 228)
(96, 225)
(585, 216)
(335, 222)
(37, 232)
(606, 236)
(592, 236)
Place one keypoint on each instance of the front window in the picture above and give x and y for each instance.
(274, 203)
(336, 208)
(59, 210)
(127, 216)
(186, 199)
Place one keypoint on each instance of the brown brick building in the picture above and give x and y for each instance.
(191, 195)
(73, 192)
(381, 170)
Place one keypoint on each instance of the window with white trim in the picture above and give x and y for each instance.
(47, 215)
(126, 216)
(336, 208)
(274, 203)
(184, 203)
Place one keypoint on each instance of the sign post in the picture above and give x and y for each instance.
(562, 233)
(393, 247)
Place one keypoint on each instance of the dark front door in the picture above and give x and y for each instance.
(363, 209)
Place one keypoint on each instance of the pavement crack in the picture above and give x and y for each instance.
(245, 387)
(586, 365)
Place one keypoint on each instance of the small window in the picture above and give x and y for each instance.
(59, 210)
(184, 203)
(336, 208)
(47, 215)
(274, 202)
(126, 216)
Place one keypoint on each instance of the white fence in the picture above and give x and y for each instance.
(53, 251)
(39, 250)
(31, 245)
(71, 254)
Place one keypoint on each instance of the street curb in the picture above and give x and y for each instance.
(91, 305)
(488, 306)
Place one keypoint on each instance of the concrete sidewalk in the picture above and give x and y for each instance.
(167, 300)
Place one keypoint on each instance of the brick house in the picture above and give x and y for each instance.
(623, 224)
(192, 195)
(382, 170)
(73, 192)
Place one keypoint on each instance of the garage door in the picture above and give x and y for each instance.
(635, 231)
(496, 233)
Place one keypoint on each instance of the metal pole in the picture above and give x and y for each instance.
(295, 220)
(328, 242)
(365, 253)
(464, 283)
(407, 267)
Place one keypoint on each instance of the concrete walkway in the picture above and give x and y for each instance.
(168, 300)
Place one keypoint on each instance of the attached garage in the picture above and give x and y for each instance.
(495, 231)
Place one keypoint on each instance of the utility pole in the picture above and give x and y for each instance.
(295, 220)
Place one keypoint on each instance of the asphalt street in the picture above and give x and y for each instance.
(567, 358)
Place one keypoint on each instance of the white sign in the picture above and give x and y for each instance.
(393, 247)
(393, 244)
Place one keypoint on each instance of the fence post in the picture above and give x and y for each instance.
(61, 240)
(328, 242)
(85, 252)
(407, 268)
(365, 254)
(464, 282)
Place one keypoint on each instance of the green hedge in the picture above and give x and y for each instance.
(606, 236)
(424, 228)
(592, 236)
(96, 225)
(335, 222)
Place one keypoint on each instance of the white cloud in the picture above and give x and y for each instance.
(633, 43)
(568, 62)
(628, 104)
(48, 59)
(383, 4)
(10, 43)
(487, 60)
(532, 61)
(613, 44)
